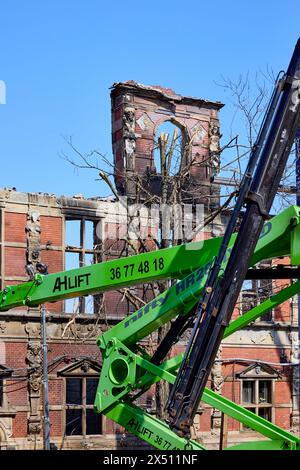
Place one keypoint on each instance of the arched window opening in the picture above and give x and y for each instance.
(170, 151)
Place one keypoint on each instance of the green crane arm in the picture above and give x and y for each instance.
(126, 367)
(169, 263)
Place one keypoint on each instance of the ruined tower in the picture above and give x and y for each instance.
(137, 113)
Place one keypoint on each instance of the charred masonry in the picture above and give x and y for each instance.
(35, 231)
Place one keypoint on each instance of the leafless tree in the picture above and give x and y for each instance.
(249, 97)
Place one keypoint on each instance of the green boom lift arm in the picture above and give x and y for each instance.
(217, 267)
(127, 371)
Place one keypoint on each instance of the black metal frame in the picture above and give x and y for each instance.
(257, 191)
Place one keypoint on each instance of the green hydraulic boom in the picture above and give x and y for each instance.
(127, 370)
(208, 276)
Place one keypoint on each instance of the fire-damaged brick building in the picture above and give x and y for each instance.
(254, 366)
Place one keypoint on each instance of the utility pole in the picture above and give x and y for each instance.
(46, 426)
(223, 432)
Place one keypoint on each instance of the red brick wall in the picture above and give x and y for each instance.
(265, 354)
(20, 424)
(205, 420)
(56, 391)
(110, 426)
(15, 261)
(14, 230)
(16, 390)
(71, 351)
(56, 418)
(282, 393)
(51, 230)
(54, 260)
(282, 417)
(16, 353)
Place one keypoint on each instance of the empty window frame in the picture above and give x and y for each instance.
(257, 396)
(79, 251)
(80, 418)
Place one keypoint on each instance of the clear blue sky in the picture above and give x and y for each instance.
(59, 58)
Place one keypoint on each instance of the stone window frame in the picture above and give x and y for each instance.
(256, 373)
(83, 369)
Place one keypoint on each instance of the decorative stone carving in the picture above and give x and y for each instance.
(81, 366)
(258, 337)
(129, 137)
(293, 337)
(33, 330)
(35, 381)
(216, 373)
(34, 386)
(295, 357)
(295, 422)
(254, 370)
(214, 137)
(85, 367)
(198, 133)
(129, 122)
(33, 232)
(129, 153)
(78, 331)
(7, 414)
(214, 144)
(2, 327)
(81, 332)
(144, 122)
(5, 427)
(258, 370)
(217, 385)
(34, 354)
(34, 426)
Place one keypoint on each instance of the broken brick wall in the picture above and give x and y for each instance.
(137, 113)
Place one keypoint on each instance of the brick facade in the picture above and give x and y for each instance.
(34, 227)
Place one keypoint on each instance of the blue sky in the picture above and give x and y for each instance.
(59, 58)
